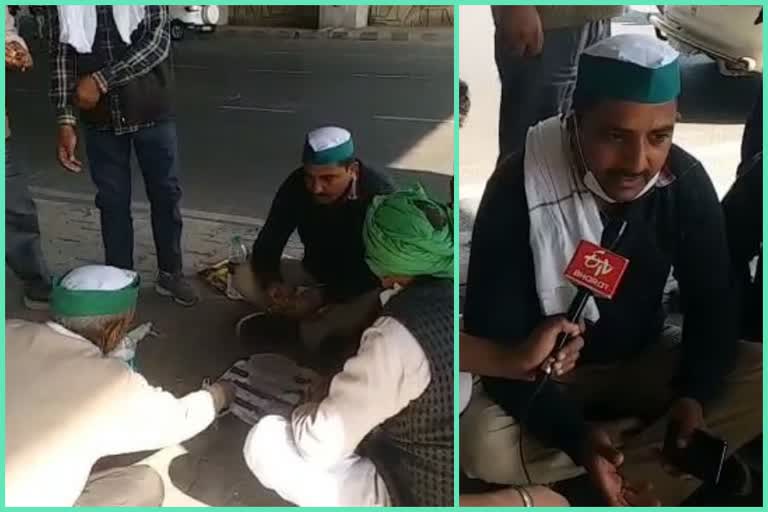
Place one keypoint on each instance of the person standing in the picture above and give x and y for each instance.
(537, 54)
(111, 63)
(23, 252)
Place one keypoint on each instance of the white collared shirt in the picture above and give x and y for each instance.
(389, 370)
(67, 406)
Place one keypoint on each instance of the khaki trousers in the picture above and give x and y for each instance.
(636, 388)
(344, 319)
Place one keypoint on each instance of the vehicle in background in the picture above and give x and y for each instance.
(203, 18)
(729, 34)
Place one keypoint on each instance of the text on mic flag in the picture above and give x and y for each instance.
(596, 269)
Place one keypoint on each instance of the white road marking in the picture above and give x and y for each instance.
(257, 109)
(413, 119)
(385, 76)
(190, 66)
(398, 57)
(280, 71)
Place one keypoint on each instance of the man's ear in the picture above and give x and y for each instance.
(354, 168)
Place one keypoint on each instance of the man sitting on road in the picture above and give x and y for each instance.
(400, 382)
(68, 403)
(325, 201)
(613, 157)
(521, 361)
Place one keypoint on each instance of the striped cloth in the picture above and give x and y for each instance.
(267, 384)
(562, 213)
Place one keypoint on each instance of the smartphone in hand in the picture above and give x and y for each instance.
(703, 457)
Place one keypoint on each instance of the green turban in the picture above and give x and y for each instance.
(408, 234)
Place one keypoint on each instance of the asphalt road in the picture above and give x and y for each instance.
(244, 105)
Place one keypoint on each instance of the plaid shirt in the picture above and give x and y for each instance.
(151, 47)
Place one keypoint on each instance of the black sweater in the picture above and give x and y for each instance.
(331, 234)
(680, 226)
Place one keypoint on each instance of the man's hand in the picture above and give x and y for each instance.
(281, 297)
(87, 94)
(318, 389)
(66, 149)
(519, 29)
(223, 394)
(535, 352)
(308, 301)
(689, 415)
(17, 57)
(603, 461)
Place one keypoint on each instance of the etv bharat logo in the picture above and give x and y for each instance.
(596, 269)
(601, 266)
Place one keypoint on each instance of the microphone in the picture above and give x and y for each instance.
(596, 272)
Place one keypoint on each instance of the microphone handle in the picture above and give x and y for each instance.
(573, 314)
(616, 229)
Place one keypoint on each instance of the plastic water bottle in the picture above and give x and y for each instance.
(238, 254)
(126, 349)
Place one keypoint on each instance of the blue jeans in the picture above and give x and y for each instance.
(22, 230)
(109, 156)
(536, 88)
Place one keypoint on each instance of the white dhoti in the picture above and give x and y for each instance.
(271, 454)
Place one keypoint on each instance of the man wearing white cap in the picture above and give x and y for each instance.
(611, 158)
(68, 403)
(325, 201)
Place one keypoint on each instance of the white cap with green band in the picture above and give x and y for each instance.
(328, 145)
(95, 290)
(629, 67)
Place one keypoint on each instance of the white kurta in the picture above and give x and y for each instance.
(309, 460)
(67, 406)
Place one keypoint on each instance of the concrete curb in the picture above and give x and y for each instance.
(442, 34)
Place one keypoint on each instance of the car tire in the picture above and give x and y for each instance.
(211, 15)
(177, 30)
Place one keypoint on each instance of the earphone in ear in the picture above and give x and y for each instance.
(353, 188)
